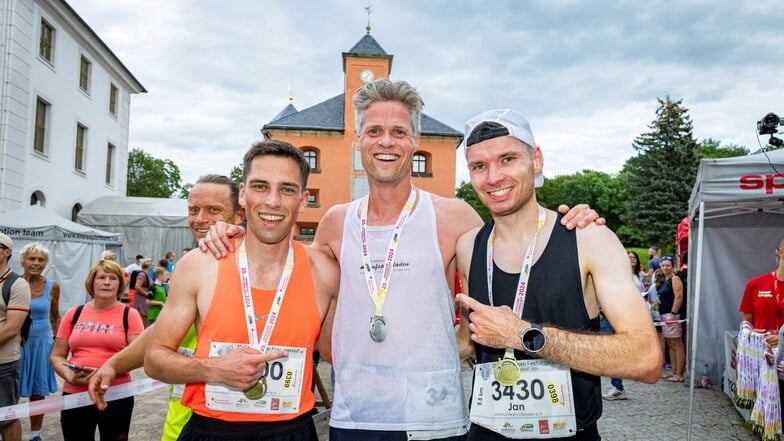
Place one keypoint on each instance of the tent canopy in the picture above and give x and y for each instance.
(73, 248)
(737, 218)
(149, 226)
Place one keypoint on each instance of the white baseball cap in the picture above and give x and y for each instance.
(513, 124)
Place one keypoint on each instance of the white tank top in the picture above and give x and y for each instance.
(411, 381)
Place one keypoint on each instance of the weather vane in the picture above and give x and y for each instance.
(291, 87)
(368, 10)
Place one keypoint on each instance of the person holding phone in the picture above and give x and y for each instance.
(90, 334)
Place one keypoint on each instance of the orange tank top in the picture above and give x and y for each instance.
(298, 325)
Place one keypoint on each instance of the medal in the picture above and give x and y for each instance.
(506, 370)
(378, 328)
(257, 391)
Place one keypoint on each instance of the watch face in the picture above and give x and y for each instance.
(366, 76)
(533, 340)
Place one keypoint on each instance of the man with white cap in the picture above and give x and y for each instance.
(12, 316)
(538, 376)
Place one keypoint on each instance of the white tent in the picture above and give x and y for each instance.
(736, 215)
(149, 226)
(73, 248)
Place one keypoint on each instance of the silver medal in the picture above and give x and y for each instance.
(378, 328)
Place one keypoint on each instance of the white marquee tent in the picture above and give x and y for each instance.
(736, 216)
(73, 248)
(149, 226)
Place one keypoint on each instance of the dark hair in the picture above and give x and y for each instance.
(685, 257)
(667, 258)
(163, 263)
(276, 148)
(638, 268)
(224, 180)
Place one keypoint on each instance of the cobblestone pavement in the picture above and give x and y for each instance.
(652, 412)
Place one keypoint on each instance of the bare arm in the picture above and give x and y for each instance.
(54, 307)
(13, 323)
(631, 352)
(128, 359)
(240, 368)
(677, 289)
(465, 345)
(59, 356)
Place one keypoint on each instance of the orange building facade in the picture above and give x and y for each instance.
(325, 134)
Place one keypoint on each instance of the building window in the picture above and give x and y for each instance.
(307, 231)
(38, 198)
(46, 46)
(312, 157)
(81, 139)
(75, 211)
(110, 149)
(84, 74)
(113, 95)
(420, 164)
(313, 198)
(41, 118)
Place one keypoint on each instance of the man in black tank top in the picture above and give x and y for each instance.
(535, 291)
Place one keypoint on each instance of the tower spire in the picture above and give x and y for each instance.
(368, 11)
(291, 87)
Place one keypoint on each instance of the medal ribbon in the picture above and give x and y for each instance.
(525, 272)
(379, 295)
(247, 299)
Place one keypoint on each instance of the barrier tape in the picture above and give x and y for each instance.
(81, 399)
(670, 322)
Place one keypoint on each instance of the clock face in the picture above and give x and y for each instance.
(366, 76)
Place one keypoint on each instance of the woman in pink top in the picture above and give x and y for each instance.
(92, 333)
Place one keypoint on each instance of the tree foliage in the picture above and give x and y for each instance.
(236, 173)
(149, 176)
(711, 148)
(661, 176)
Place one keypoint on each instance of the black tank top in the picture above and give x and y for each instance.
(554, 297)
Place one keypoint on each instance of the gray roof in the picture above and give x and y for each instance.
(328, 115)
(367, 45)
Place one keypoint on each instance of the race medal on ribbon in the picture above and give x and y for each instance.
(378, 328)
(506, 371)
(257, 391)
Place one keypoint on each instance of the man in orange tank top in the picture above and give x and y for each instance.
(251, 373)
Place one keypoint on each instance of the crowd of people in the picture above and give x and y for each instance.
(373, 292)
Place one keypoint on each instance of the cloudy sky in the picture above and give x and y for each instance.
(587, 74)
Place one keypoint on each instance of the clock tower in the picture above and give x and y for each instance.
(363, 63)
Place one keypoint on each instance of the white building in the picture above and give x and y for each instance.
(65, 102)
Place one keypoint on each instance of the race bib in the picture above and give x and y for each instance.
(178, 389)
(539, 405)
(284, 384)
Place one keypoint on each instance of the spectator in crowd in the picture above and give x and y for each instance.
(654, 262)
(638, 275)
(655, 302)
(157, 295)
(135, 266)
(671, 297)
(12, 316)
(37, 379)
(170, 256)
(142, 287)
(762, 304)
(91, 333)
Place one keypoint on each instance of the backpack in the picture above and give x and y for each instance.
(132, 282)
(78, 312)
(28, 321)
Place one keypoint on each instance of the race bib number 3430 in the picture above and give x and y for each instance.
(539, 405)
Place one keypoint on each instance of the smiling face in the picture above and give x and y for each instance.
(386, 143)
(272, 196)
(667, 267)
(209, 203)
(502, 173)
(34, 263)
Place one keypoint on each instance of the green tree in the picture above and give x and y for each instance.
(149, 176)
(185, 190)
(662, 174)
(711, 148)
(236, 174)
(551, 193)
(467, 193)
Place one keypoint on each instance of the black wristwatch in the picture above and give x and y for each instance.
(533, 339)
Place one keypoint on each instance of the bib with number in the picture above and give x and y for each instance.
(284, 384)
(539, 405)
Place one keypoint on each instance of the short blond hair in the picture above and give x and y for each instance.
(108, 266)
(31, 248)
(109, 255)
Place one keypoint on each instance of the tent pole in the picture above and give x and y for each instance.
(696, 308)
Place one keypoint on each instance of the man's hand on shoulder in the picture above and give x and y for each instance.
(219, 239)
(581, 215)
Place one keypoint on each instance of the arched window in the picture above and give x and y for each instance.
(312, 157)
(420, 164)
(75, 211)
(38, 198)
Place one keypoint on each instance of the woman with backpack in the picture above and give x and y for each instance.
(36, 376)
(91, 333)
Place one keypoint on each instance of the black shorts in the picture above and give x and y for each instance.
(201, 428)
(336, 434)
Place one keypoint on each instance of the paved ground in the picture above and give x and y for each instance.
(653, 412)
